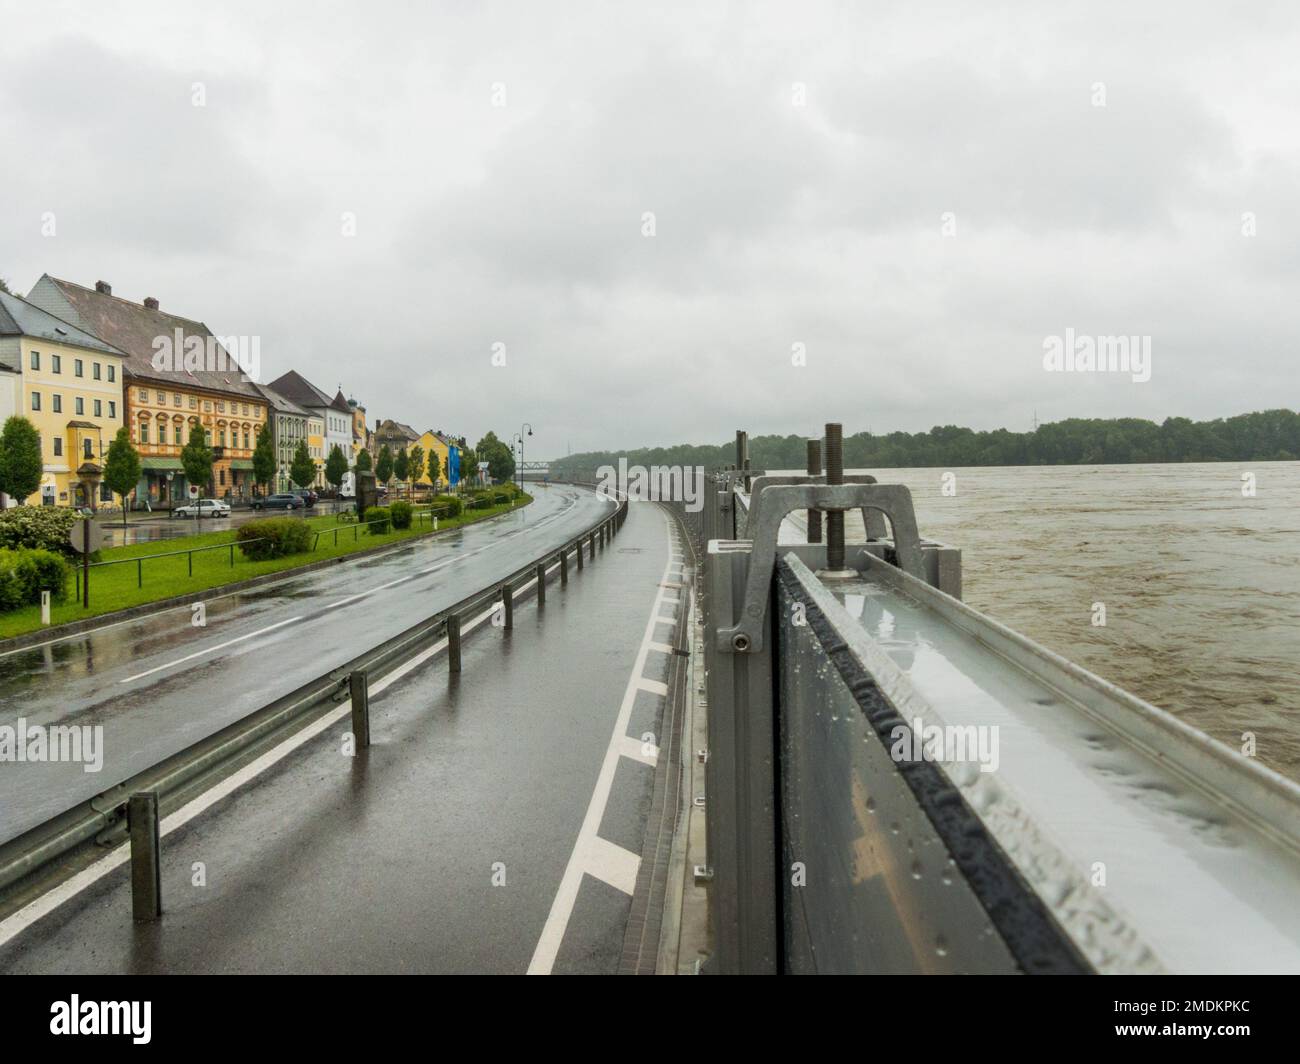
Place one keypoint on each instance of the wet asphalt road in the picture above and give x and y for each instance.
(444, 847)
(158, 684)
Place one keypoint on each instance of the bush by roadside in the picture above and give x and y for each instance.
(401, 515)
(37, 528)
(273, 537)
(24, 574)
(378, 518)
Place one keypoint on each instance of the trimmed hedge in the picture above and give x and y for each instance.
(451, 505)
(401, 514)
(24, 574)
(37, 528)
(273, 537)
(378, 519)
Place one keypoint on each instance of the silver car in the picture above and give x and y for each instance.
(203, 508)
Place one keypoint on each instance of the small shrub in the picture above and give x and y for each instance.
(37, 528)
(450, 506)
(273, 537)
(401, 514)
(378, 518)
(24, 574)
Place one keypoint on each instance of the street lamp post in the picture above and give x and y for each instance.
(520, 437)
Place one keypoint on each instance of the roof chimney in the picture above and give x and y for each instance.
(150, 303)
(104, 287)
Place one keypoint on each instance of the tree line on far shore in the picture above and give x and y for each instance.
(1268, 435)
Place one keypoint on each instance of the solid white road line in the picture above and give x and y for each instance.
(592, 854)
(210, 650)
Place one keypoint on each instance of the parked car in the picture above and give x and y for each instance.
(203, 508)
(282, 501)
(307, 496)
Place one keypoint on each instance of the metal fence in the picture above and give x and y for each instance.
(419, 516)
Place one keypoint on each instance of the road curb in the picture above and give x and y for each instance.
(106, 620)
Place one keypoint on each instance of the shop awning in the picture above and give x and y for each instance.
(241, 463)
(163, 464)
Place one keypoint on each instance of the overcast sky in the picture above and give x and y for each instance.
(798, 159)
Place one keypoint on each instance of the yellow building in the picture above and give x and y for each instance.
(70, 388)
(447, 451)
(178, 375)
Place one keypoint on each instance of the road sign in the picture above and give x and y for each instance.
(194, 491)
(76, 536)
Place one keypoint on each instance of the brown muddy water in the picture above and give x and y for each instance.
(1200, 583)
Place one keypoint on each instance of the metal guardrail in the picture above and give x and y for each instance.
(102, 820)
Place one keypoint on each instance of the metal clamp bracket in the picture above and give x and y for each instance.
(773, 504)
(872, 520)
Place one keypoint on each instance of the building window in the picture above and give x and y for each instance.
(58, 446)
(178, 435)
(36, 400)
(78, 370)
(112, 373)
(99, 408)
(223, 477)
(144, 396)
(176, 399)
(57, 401)
(112, 408)
(207, 406)
(162, 398)
(56, 364)
(95, 370)
(144, 432)
(194, 403)
(221, 406)
(36, 360)
(80, 405)
(87, 448)
(246, 441)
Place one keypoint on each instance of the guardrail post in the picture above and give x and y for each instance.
(564, 566)
(453, 643)
(579, 554)
(359, 687)
(591, 544)
(541, 584)
(508, 601)
(146, 862)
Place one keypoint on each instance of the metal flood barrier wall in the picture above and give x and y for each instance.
(829, 852)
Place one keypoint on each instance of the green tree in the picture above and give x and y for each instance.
(20, 458)
(384, 465)
(499, 457)
(4, 286)
(364, 462)
(302, 471)
(336, 466)
(122, 467)
(264, 459)
(196, 459)
(415, 460)
(468, 466)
